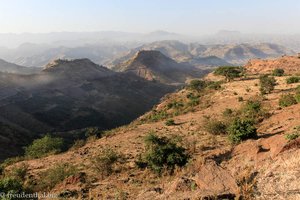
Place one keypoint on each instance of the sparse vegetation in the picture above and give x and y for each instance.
(18, 172)
(293, 79)
(170, 122)
(162, 153)
(44, 146)
(240, 99)
(56, 174)
(287, 100)
(229, 72)
(267, 84)
(278, 72)
(196, 85)
(158, 115)
(175, 105)
(227, 112)
(105, 161)
(199, 85)
(10, 185)
(241, 129)
(215, 127)
(292, 136)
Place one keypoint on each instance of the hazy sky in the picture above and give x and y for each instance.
(191, 17)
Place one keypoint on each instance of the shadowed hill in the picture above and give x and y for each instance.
(76, 94)
(13, 68)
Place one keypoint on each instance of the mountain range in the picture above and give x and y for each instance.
(113, 53)
(208, 55)
(13, 68)
(69, 95)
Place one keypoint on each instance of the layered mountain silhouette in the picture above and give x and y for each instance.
(13, 68)
(153, 65)
(69, 95)
(209, 55)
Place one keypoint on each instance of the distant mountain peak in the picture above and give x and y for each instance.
(79, 67)
(154, 65)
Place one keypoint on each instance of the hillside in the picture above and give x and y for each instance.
(263, 167)
(17, 69)
(153, 65)
(69, 95)
(290, 64)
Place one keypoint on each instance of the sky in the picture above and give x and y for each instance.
(192, 17)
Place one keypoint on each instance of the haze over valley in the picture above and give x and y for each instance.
(150, 100)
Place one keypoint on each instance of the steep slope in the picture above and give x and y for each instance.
(153, 65)
(70, 95)
(266, 167)
(13, 68)
(290, 64)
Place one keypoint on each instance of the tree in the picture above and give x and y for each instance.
(44, 146)
(197, 85)
(162, 153)
(278, 72)
(241, 129)
(229, 72)
(267, 84)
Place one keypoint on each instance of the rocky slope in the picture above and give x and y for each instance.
(153, 65)
(266, 167)
(290, 64)
(70, 95)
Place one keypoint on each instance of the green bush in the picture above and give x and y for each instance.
(252, 110)
(241, 129)
(293, 79)
(297, 97)
(229, 72)
(267, 84)
(292, 136)
(45, 146)
(194, 100)
(287, 100)
(215, 85)
(162, 153)
(157, 115)
(170, 122)
(215, 127)
(278, 72)
(93, 131)
(196, 85)
(56, 174)
(18, 172)
(175, 105)
(297, 89)
(10, 185)
(105, 161)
